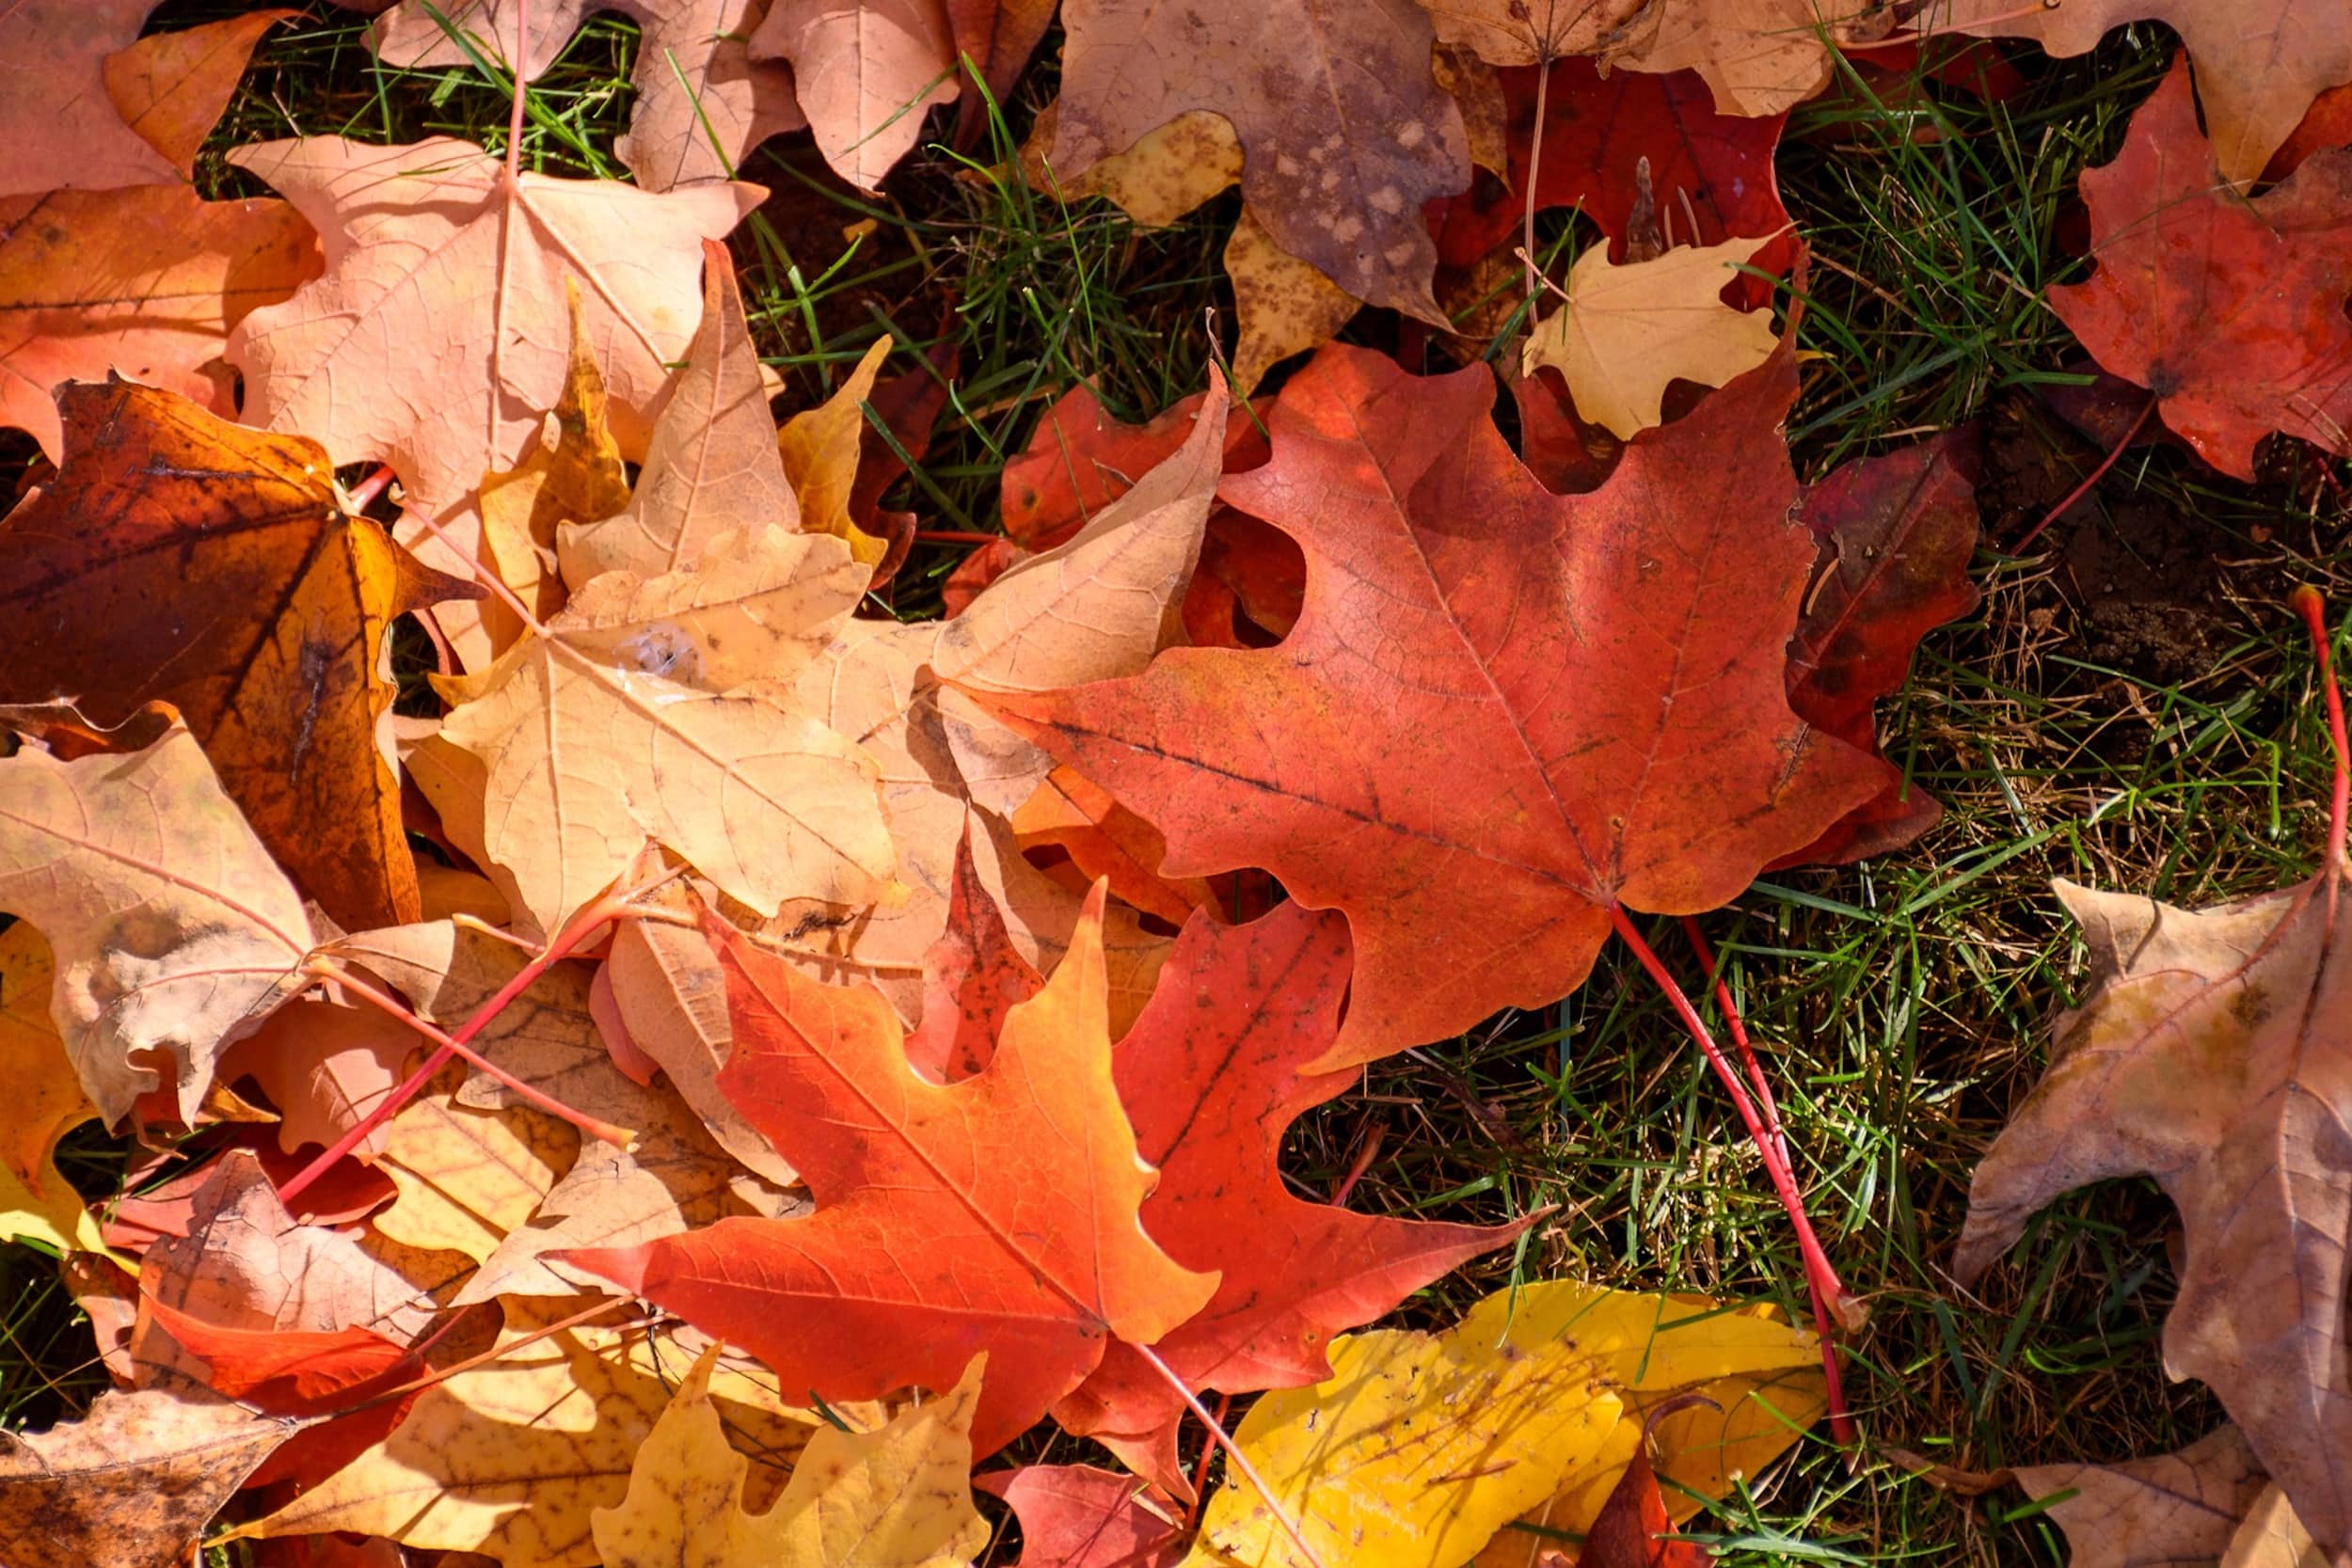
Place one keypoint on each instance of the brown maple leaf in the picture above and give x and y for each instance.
(1502, 716)
(867, 73)
(160, 509)
(2175, 1508)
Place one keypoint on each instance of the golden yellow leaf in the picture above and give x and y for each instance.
(1285, 305)
(1158, 180)
(1421, 1447)
(636, 720)
(819, 448)
(572, 474)
(468, 1177)
(45, 1099)
(513, 1458)
(1625, 332)
(896, 1497)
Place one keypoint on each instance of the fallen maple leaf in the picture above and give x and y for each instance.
(2201, 1057)
(1502, 714)
(1105, 839)
(1080, 459)
(998, 1214)
(324, 1064)
(1283, 303)
(171, 87)
(1759, 56)
(676, 685)
(1710, 169)
(468, 1176)
(868, 72)
(1896, 532)
(702, 102)
(1421, 1446)
(2230, 311)
(437, 337)
(282, 679)
(1623, 332)
(156, 968)
(899, 1497)
(145, 280)
(712, 469)
(133, 1482)
(1633, 1529)
(1344, 130)
(514, 1458)
(46, 1102)
(973, 977)
(2175, 1508)
(1211, 1076)
(1075, 1516)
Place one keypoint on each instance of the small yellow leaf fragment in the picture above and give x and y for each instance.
(819, 446)
(896, 1498)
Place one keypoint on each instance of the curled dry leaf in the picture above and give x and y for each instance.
(702, 102)
(156, 970)
(1623, 332)
(45, 1099)
(713, 468)
(131, 1484)
(283, 681)
(1344, 130)
(897, 1496)
(437, 337)
(1421, 1446)
(820, 447)
(998, 1214)
(2230, 311)
(1486, 730)
(2184, 1507)
(145, 280)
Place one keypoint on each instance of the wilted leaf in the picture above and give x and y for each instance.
(899, 1497)
(997, 1213)
(155, 967)
(819, 448)
(279, 674)
(1502, 712)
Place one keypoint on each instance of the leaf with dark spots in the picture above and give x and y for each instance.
(177, 555)
(1896, 534)
(1502, 713)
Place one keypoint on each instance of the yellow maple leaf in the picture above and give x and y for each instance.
(1421, 1447)
(1625, 332)
(899, 1497)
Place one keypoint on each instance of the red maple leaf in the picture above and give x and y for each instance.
(995, 1215)
(1212, 1074)
(1502, 714)
(2229, 309)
